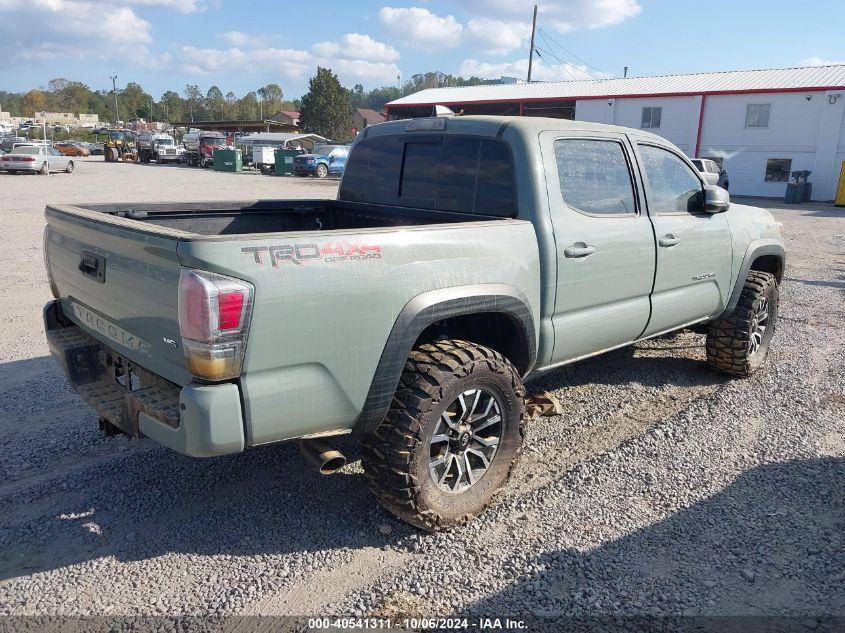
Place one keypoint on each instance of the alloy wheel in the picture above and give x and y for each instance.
(759, 323)
(465, 440)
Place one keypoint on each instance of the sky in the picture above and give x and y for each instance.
(243, 45)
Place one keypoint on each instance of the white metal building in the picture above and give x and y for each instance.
(760, 124)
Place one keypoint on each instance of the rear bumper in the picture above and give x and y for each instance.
(20, 167)
(197, 420)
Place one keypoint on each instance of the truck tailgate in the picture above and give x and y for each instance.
(119, 284)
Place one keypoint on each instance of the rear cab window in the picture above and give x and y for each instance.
(445, 172)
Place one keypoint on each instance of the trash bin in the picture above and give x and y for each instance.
(799, 190)
(228, 160)
(284, 161)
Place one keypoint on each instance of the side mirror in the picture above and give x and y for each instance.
(716, 200)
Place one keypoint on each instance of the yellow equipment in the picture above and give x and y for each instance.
(120, 144)
(840, 190)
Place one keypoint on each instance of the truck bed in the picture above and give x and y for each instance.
(275, 216)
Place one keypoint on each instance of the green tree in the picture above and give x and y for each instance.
(247, 107)
(215, 102)
(327, 108)
(172, 105)
(193, 102)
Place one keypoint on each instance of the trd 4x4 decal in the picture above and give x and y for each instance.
(303, 253)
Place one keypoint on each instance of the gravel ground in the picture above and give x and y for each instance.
(663, 489)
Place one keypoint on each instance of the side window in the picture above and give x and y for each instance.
(673, 186)
(594, 176)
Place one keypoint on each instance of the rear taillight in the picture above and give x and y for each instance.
(214, 312)
(27, 159)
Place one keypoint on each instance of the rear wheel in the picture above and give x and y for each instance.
(737, 344)
(451, 436)
(45, 169)
(69, 167)
(322, 171)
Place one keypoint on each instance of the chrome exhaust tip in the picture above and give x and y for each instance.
(325, 459)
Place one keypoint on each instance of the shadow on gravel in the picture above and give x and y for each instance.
(838, 283)
(146, 501)
(673, 361)
(770, 544)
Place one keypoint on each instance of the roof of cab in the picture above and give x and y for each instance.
(490, 125)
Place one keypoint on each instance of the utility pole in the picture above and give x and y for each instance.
(114, 90)
(531, 52)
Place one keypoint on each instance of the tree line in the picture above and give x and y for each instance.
(325, 109)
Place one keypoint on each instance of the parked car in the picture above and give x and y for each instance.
(712, 173)
(96, 149)
(36, 159)
(324, 160)
(462, 257)
(71, 149)
(8, 143)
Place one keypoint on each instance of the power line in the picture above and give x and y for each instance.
(537, 50)
(548, 38)
(563, 65)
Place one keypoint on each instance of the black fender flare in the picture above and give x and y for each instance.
(754, 251)
(428, 308)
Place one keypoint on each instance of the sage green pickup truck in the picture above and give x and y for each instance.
(462, 257)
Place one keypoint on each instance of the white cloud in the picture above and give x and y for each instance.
(818, 61)
(497, 37)
(357, 46)
(420, 27)
(562, 15)
(354, 57)
(180, 6)
(234, 38)
(519, 69)
(290, 64)
(48, 29)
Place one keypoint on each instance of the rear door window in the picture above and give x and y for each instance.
(594, 176)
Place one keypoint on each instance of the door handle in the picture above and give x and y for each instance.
(579, 249)
(669, 240)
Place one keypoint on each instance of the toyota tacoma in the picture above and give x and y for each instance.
(462, 257)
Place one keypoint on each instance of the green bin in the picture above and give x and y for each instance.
(284, 161)
(228, 160)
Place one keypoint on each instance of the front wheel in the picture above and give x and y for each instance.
(451, 437)
(737, 343)
(322, 171)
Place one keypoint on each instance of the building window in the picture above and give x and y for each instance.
(757, 114)
(651, 117)
(777, 169)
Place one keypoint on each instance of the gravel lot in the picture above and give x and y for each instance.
(663, 489)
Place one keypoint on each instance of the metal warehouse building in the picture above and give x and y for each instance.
(759, 124)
